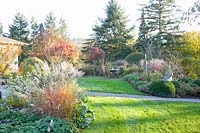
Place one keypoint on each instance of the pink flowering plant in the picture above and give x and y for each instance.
(95, 54)
(156, 65)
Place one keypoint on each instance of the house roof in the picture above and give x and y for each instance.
(6, 40)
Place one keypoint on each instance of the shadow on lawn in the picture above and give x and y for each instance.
(147, 103)
(132, 115)
(162, 123)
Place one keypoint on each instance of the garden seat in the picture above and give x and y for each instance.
(115, 71)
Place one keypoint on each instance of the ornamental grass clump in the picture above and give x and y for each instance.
(54, 92)
(59, 100)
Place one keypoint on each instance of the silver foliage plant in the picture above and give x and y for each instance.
(44, 77)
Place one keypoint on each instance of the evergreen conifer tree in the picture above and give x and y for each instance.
(112, 35)
(19, 29)
(41, 28)
(143, 36)
(50, 21)
(162, 22)
(1, 28)
(62, 28)
(159, 27)
(34, 30)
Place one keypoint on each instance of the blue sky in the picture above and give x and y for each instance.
(80, 15)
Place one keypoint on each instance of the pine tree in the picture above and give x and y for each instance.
(41, 28)
(50, 21)
(112, 35)
(62, 28)
(1, 28)
(161, 21)
(143, 36)
(34, 30)
(19, 29)
(50, 27)
(192, 14)
(159, 27)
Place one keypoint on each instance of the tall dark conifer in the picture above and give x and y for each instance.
(162, 22)
(112, 34)
(159, 27)
(143, 35)
(19, 29)
(50, 21)
(1, 28)
(34, 30)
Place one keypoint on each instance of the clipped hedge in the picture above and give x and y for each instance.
(163, 88)
(134, 57)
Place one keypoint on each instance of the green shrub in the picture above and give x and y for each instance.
(143, 86)
(84, 115)
(188, 90)
(134, 57)
(193, 85)
(132, 69)
(131, 77)
(197, 82)
(92, 70)
(186, 79)
(176, 84)
(162, 88)
(138, 83)
(120, 63)
(15, 101)
(184, 87)
(154, 76)
(29, 64)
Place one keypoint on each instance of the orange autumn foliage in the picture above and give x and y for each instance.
(64, 49)
(59, 101)
(53, 47)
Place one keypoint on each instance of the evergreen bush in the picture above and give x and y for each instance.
(176, 84)
(134, 57)
(163, 88)
(197, 82)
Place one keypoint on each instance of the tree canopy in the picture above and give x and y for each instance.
(112, 34)
(19, 29)
(159, 26)
(190, 53)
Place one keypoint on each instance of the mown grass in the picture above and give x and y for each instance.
(100, 84)
(143, 116)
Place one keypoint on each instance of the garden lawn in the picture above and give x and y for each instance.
(143, 116)
(100, 84)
